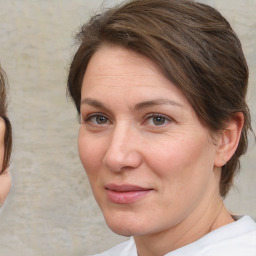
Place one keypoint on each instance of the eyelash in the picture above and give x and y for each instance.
(89, 118)
(157, 115)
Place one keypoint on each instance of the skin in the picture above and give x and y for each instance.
(137, 128)
(5, 177)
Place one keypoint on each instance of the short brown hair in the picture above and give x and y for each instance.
(8, 127)
(195, 47)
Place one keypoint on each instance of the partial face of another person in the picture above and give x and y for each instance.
(149, 160)
(5, 177)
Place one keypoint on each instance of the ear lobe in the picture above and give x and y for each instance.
(228, 139)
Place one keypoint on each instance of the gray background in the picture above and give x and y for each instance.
(50, 210)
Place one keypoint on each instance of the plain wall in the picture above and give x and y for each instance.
(50, 210)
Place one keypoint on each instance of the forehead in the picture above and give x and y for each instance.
(120, 69)
(124, 61)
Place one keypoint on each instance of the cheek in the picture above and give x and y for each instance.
(5, 185)
(2, 132)
(91, 152)
(1, 156)
(182, 162)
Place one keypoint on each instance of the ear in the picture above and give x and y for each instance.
(228, 139)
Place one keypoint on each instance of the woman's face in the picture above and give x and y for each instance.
(5, 178)
(149, 160)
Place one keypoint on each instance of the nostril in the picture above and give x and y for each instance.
(121, 161)
(113, 161)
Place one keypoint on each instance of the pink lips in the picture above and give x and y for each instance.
(125, 194)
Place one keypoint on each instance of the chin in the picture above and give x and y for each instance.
(122, 231)
(125, 225)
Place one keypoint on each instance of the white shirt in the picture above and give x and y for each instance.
(235, 239)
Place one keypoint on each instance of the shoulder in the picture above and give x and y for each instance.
(126, 248)
(235, 239)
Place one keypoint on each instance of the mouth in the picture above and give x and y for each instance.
(126, 194)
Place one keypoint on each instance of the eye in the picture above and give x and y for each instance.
(99, 119)
(157, 119)
(96, 119)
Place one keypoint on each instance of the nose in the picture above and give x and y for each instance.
(123, 151)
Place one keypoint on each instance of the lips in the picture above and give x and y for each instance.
(125, 194)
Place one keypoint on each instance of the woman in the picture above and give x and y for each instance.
(160, 88)
(5, 142)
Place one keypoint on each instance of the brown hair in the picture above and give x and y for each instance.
(196, 49)
(8, 127)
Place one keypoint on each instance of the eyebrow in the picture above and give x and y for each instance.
(150, 103)
(94, 103)
(137, 107)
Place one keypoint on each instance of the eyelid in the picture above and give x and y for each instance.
(152, 115)
(158, 114)
(87, 117)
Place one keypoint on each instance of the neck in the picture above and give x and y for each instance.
(195, 226)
